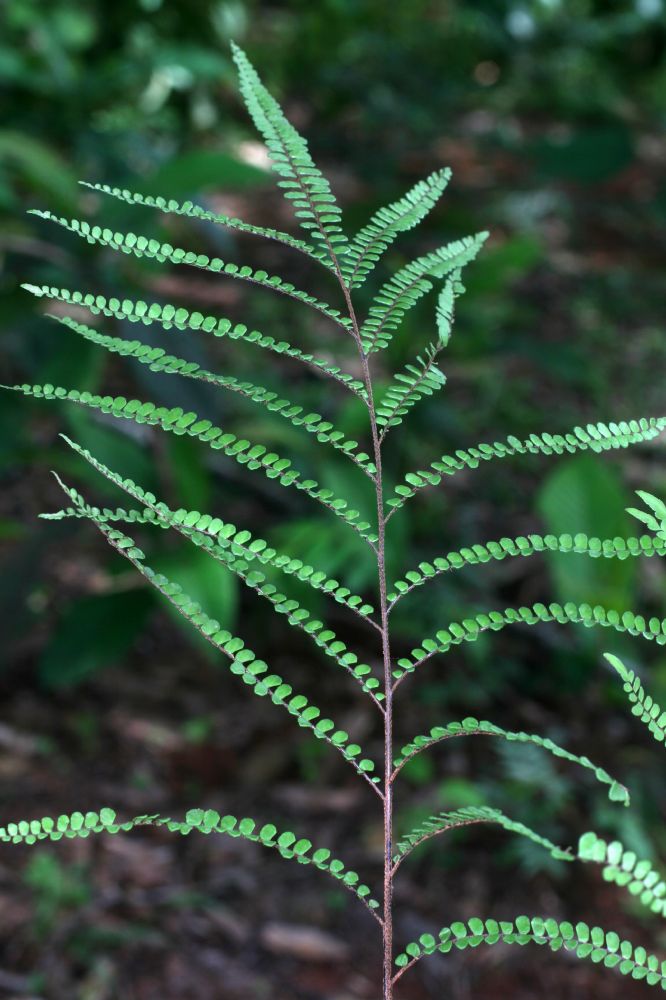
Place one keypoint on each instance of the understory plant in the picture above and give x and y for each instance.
(350, 261)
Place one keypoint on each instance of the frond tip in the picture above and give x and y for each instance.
(435, 825)
(655, 518)
(475, 727)
(409, 386)
(401, 292)
(374, 239)
(585, 942)
(303, 183)
(643, 705)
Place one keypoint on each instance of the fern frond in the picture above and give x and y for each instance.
(643, 705)
(408, 387)
(171, 207)
(142, 246)
(596, 437)
(297, 615)
(443, 821)
(655, 518)
(374, 239)
(244, 662)
(582, 544)
(157, 359)
(475, 727)
(77, 825)
(585, 942)
(170, 317)
(445, 308)
(241, 542)
(176, 421)
(624, 869)
(407, 286)
(303, 183)
(470, 629)
(218, 541)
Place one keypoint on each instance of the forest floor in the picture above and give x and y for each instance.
(149, 915)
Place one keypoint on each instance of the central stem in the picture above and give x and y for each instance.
(386, 658)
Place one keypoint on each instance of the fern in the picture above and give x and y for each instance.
(607, 548)
(405, 288)
(76, 825)
(171, 318)
(625, 869)
(175, 421)
(141, 246)
(260, 566)
(585, 942)
(171, 207)
(469, 629)
(596, 437)
(408, 387)
(474, 727)
(374, 239)
(643, 705)
(444, 821)
(240, 542)
(158, 360)
(303, 184)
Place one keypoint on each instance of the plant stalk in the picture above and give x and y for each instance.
(387, 921)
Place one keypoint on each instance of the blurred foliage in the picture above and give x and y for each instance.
(551, 114)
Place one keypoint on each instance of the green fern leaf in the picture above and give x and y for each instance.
(474, 727)
(177, 422)
(408, 387)
(624, 868)
(470, 629)
(596, 437)
(408, 285)
(76, 825)
(219, 542)
(141, 246)
(187, 208)
(297, 616)
(157, 359)
(643, 705)
(607, 548)
(581, 940)
(655, 518)
(240, 542)
(435, 825)
(302, 183)
(445, 308)
(374, 239)
(244, 663)
(170, 317)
